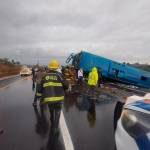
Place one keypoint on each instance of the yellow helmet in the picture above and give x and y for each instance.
(53, 64)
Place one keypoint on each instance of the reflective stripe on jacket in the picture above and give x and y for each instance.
(52, 87)
(53, 99)
(93, 77)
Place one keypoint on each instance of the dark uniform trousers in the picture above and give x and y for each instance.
(55, 111)
(37, 93)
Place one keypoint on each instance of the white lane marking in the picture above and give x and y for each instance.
(65, 134)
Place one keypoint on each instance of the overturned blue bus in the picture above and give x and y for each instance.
(111, 69)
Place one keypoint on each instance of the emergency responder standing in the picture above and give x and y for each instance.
(100, 80)
(80, 76)
(38, 77)
(92, 81)
(33, 81)
(52, 89)
(33, 74)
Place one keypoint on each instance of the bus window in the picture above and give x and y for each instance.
(143, 78)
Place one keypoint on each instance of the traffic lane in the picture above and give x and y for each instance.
(91, 124)
(24, 127)
(7, 81)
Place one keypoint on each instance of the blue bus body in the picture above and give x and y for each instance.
(112, 69)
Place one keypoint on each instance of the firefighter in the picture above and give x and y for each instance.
(38, 77)
(52, 90)
(33, 74)
(33, 77)
(93, 81)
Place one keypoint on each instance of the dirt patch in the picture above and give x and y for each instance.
(8, 69)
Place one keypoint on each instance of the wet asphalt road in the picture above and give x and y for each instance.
(89, 122)
(24, 127)
(7, 81)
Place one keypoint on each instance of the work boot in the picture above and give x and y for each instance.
(34, 104)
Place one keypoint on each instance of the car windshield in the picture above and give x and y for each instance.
(25, 69)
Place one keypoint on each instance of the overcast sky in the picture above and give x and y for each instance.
(32, 30)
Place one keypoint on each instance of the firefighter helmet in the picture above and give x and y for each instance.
(53, 64)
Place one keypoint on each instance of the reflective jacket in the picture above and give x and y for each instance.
(52, 87)
(93, 77)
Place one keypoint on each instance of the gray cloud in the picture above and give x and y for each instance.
(34, 30)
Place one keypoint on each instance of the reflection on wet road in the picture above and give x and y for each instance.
(90, 122)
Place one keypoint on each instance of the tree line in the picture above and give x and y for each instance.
(8, 61)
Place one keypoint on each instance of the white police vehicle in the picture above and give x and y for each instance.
(133, 127)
